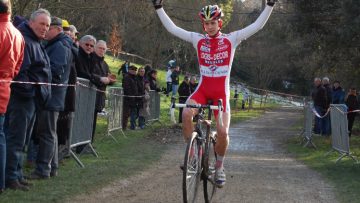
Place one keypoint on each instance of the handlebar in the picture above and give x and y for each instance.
(206, 106)
(197, 106)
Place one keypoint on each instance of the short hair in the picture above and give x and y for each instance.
(38, 12)
(317, 79)
(101, 42)
(87, 38)
(5, 6)
(326, 79)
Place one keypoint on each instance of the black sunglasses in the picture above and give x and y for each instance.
(89, 45)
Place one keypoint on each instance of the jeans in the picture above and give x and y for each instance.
(47, 158)
(2, 152)
(326, 126)
(21, 115)
(142, 122)
(32, 151)
(322, 125)
(174, 89)
(168, 88)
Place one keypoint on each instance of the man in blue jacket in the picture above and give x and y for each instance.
(338, 94)
(25, 99)
(59, 50)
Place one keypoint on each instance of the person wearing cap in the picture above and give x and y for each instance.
(26, 99)
(131, 93)
(73, 33)
(11, 56)
(65, 120)
(215, 51)
(66, 26)
(184, 92)
(58, 49)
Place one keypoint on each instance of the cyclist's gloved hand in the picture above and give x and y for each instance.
(271, 2)
(157, 4)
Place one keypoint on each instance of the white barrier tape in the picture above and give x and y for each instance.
(37, 83)
(327, 112)
(343, 112)
(318, 115)
(83, 85)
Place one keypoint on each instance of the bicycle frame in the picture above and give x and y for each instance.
(204, 141)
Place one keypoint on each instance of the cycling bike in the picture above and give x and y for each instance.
(200, 156)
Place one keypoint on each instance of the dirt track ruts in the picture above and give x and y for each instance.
(257, 165)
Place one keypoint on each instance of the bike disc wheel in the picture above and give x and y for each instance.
(191, 170)
(209, 169)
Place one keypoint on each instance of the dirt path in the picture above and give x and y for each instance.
(257, 166)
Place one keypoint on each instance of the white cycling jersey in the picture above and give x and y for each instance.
(215, 56)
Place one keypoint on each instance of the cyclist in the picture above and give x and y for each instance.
(215, 52)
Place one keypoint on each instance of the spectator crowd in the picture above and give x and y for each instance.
(40, 60)
(323, 94)
(37, 118)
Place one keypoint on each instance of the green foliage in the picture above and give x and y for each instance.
(227, 8)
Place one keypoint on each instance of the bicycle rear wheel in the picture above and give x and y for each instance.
(208, 175)
(192, 169)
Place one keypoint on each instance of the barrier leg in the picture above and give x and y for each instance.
(329, 152)
(309, 143)
(349, 155)
(93, 150)
(110, 135)
(77, 159)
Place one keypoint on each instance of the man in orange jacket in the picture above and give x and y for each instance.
(11, 57)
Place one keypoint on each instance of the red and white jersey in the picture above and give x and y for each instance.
(215, 56)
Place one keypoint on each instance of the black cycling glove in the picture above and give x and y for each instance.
(157, 4)
(271, 2)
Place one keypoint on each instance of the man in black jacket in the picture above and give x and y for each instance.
(320, 104)
(326, 126)
(100, 78)
(25, 99)
(84, 64)
(66, 117)
(59, 50)
(131, 93)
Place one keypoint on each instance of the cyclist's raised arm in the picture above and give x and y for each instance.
(245, 33)
(169, 24)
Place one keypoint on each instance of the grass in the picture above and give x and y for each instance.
(116, 160)
(344, 176)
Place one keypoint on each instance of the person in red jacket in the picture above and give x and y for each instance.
(11, 57)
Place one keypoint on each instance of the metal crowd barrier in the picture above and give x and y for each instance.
(83, 117)
(308, 125)
(154, 107)
(339, 131)
(115, 110)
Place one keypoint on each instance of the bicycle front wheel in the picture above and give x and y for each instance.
(192, 169)
(209, 168)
